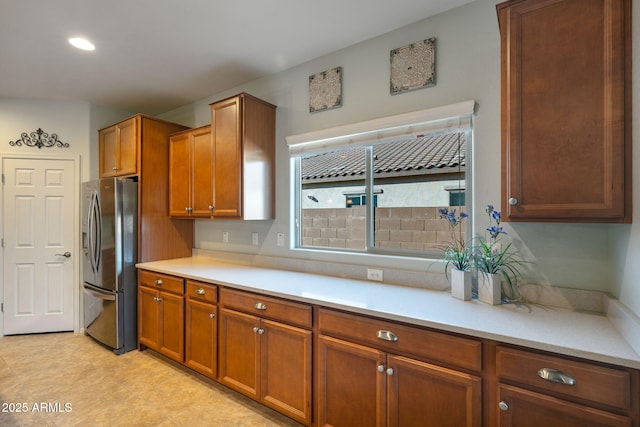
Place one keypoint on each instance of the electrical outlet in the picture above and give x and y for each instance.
(280, 239)
(374, 274)
(225, 237)
(254, 239)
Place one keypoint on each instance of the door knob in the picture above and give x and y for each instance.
(66, 254)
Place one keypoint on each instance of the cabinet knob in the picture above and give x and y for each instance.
(255, 329)
(200, 291)
(114, 168)
(211, 208)
(211, 315)
(260, 331)
(260, 306)
(513, 201)
(158, 282)
(380, 368)
(390, 371)
(503, 406)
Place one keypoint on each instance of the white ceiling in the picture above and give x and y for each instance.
(155, 55)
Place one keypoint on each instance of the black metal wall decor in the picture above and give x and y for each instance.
(39, 139)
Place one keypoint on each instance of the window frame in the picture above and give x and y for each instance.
(368, 135)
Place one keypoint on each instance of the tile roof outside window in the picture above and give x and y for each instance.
(415, 155)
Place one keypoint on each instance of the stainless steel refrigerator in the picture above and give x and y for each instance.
(109, 243)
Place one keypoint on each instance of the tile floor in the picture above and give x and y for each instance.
(67, 379)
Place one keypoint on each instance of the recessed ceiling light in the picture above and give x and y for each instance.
(81, 43)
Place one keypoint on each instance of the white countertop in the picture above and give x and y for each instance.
(588, 335)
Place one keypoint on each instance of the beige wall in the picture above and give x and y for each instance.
(581, 256)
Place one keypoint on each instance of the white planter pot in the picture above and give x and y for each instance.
(490, 288)
(461, 284)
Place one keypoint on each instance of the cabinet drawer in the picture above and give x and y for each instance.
(202, 291)
(161, 281)
(595, 383)
(389, 336)
(263, 306)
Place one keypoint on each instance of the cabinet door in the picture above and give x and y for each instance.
(128, 147)
(351, 384)
(226, 117)
(172, 326)
(522, 408)
(108, 152)
(179, 175)
(563, 110)
(202, 173)
(239, 352)
(148, 318)
(201, 329)
(286, 369)
(423, 395)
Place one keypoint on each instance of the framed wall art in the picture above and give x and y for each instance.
(413, 66)
(325, 90)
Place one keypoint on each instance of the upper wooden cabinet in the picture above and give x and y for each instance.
(566, 104)
(138, 147)
(119, 148)
(191, 173)
(243, 132)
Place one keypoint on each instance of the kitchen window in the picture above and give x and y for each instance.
(410, 166)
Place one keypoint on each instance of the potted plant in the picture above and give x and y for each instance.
(457, 255)
(496, 262)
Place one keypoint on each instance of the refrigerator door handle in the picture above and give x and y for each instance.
(101, 295)
(95, 229)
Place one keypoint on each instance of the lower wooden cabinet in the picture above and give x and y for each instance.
(367, 371)
(268, 361)
(201, 328)
(161, 314)
(525, 408)
(536, 389)
(359, 385)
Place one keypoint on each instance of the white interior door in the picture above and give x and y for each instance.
(39, 224)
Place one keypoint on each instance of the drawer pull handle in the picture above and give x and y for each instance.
(386, 335)
(200, 291)
(260, 306)
(158, 282)
(556, 376)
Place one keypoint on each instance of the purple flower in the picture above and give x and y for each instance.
(463, 215)
(496, 215)
(488, 209)
(495, 231)
(443, 212)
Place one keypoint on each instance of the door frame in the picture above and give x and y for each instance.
(76, 230)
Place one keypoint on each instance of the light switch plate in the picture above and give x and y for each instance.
(254, 239)
(280, 239)
(225, 237)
